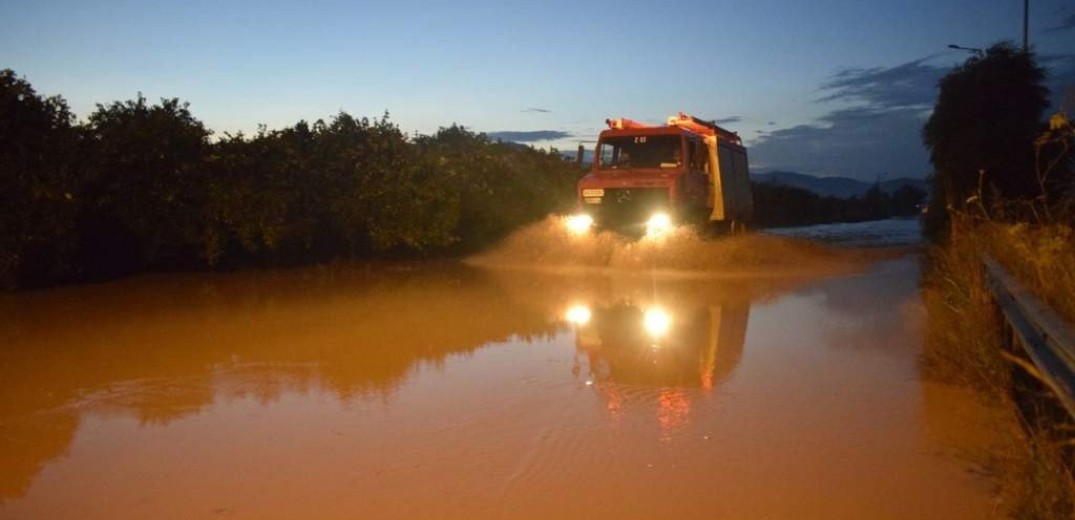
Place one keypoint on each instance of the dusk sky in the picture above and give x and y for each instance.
(825, 88)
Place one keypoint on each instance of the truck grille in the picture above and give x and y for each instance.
(631, 205)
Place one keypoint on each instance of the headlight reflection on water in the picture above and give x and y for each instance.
(657, 322)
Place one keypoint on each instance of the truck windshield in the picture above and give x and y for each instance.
(639, 151)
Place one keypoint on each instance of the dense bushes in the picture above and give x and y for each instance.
(142, 187)
(38, 183)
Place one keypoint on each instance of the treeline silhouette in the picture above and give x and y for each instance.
(777, 205)
(992, 155)
(141, 187)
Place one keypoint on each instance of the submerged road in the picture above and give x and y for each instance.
(446, 391)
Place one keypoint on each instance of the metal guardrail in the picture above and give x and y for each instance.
(1048, 339)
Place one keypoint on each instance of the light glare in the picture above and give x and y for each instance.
(579, 315)
(579, 224)
(658, 224)
(656, 321)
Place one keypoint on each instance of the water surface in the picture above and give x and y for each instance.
(445, 391)
(901, 231)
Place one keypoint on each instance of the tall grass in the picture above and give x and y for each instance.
(1040, 256)
(965, 346)
(963, 333)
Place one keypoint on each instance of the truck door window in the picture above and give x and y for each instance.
(609, 155)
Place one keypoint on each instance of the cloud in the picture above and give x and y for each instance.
(911, 84)
(536, 110)
(874, 128)
(531, 136)
(727, 120)
(1067, 24)
(876, 133)
(861, 143)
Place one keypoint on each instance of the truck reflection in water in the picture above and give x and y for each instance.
(624, 348)
(160, 351)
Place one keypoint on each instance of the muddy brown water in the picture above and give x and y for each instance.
(448, 391)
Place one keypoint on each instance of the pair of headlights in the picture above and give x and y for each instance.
(658, 224)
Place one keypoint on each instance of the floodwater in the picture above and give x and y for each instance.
(901, 231)
(447, 391)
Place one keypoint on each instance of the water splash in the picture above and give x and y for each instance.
(548, 244)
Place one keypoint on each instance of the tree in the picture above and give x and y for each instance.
(140, 187)
(385, 198)
(39, 192)
(982, 130)
(253, 208)
(146, 184)
(491, 188)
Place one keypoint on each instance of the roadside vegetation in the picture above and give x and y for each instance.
(1003, 185)
(965, 345)
(142, 187)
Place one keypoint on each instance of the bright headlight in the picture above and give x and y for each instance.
(579, 315)
(656, 322)
(579, 224)
(658, 224)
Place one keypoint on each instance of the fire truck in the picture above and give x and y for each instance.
(654, 177)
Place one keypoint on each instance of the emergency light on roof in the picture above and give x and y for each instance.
(622, 123)
(685, 121)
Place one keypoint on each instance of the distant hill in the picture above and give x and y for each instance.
(843, 187)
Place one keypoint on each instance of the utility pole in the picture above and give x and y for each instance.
(1026, 24)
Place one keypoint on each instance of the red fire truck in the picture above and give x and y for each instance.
(655, 177)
